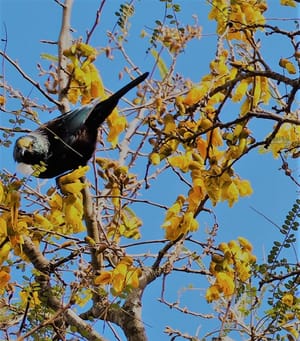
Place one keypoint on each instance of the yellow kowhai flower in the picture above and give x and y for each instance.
(2, 100)
(225, 283)
(115, 193)
(196, 194)
(288, 65)
(172, 227)
(42, 221)
(72, 188)
(74, 91)
(103, 278)
(232, 266)
(169, 123)
(214, 137)
(291, 3)
(219, 12)
(202, 147)
(121, 277)
(212, 293)
(117, 125)
(73, 176)
(3, 227)
(189, 223)
(243, 271)
(175, 208)
(4, 252)
(245, 244)
(30, 296)
(194, 96)
(288, 299)
(243, 186)
(154, 159)
(181, 161)
(252, 13)
(82, 297)
(1, 192)
(55, 201)
(240, 90)
(73, 218)
(230, 193)
(234, 247)
(56, 217)
(287, 137)
(131, 224)
(4, 278)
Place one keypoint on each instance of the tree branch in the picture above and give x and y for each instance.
(64, 42)
(49, 297)
(29, 79)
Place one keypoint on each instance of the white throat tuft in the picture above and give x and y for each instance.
(25, 169)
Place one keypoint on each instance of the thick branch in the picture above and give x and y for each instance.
(92, 227)
(129, 318)
(64, 42)
(49, 297)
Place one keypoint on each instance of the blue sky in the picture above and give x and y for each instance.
(29, 22)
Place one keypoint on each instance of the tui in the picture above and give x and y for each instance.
(69, 141)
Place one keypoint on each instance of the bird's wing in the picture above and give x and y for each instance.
(72, 121)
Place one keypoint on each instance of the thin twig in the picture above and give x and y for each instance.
(29, 79)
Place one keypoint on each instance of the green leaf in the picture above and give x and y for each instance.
(163, 70)
(49, 57)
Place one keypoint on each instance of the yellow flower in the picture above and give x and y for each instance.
(4, 252)
(245, 244)
(3, 227)
(225, 283)
(2, 100)
(172, 227)
(244, 187)
(4, 278)
(72, 188)
(194, 96)
(170, 124)
(181, 161)
(154, 159)
(212, 293)
(42, 221)
(117, 125)
(73, 176)
(288, 299)
(196, 194)
(30, 296)
(291, 3)
(74, 91)
(103, 278)
(240, 90)
(289, 66)
(1, 192)
(230, 192)
(243, 271)
(189, 223)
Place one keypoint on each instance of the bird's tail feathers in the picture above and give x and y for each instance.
(103, 109)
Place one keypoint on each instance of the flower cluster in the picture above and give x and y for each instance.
(85, 81)
(233, 265)
(122, 278)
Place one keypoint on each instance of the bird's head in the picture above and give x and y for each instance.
(31, 145)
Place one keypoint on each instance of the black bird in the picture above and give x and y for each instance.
(69, 141)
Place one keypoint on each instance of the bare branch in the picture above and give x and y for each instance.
(97, 19)
(64, 42)
(29, 79)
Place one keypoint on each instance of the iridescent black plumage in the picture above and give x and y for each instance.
(68, 141)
